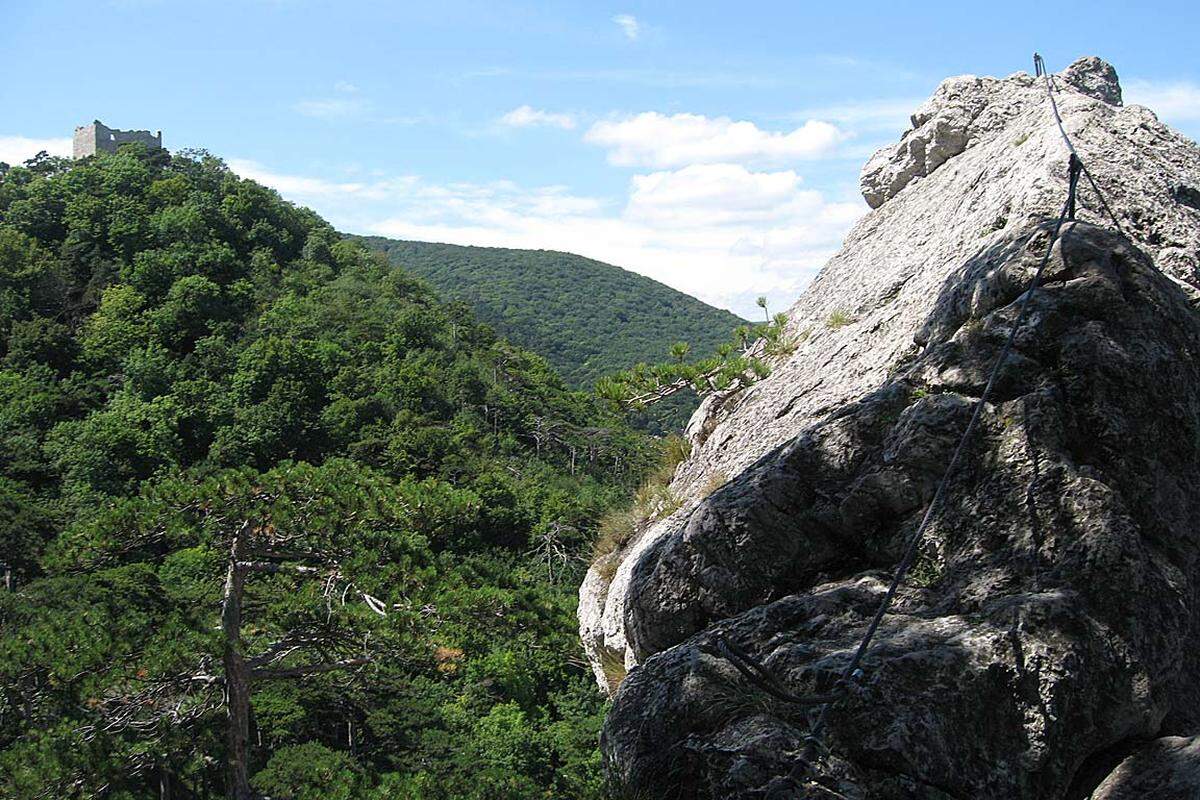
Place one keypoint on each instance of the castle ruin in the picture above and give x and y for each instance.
(99, 138)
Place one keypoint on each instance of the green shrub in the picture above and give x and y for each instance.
(309, 771)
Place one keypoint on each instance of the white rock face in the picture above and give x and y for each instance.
(983, 156)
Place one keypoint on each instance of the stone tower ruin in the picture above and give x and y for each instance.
(99, 138)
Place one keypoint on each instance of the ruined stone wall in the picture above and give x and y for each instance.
(99, 138)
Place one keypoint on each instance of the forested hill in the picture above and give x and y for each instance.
(274, 519)
(587, 318)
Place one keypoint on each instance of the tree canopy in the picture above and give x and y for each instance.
(587, 318)
(185, 361)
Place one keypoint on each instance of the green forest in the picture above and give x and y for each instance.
(274, 519)
(589, 319)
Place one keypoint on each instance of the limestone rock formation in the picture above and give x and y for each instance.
(1051, 627)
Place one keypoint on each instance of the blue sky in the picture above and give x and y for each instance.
(713, 146)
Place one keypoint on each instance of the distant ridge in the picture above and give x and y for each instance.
(586, 317)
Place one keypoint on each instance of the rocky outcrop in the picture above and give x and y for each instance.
(1051, 623)
(1095, 78)
(965, 111)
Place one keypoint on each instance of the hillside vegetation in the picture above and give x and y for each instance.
(587, 318)
(273, 518)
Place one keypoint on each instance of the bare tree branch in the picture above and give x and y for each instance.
(309, 669)
(271, 567)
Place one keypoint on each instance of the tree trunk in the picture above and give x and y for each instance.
(237, 679)
(164, 782)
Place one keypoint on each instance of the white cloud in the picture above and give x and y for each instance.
(713, 194)
(890, 115)
(345, 102)
(360, 199)
(629, 26)
(328, 108)
(1173, 102)
(528, 116)
(657, 140)
(297, 187)
(709, 216)
(17, 149)
(721, 232)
